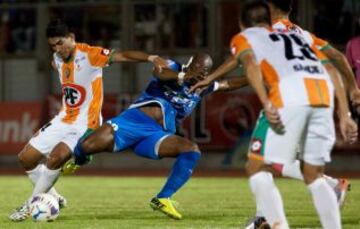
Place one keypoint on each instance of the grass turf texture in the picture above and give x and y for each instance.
(108, 202)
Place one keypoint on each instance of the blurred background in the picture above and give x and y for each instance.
(222, 124)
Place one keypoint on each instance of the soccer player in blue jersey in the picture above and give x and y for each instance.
(148, 127)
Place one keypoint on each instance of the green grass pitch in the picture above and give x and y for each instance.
(122, 202)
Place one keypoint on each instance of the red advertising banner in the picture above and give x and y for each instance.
(217, 124)
(18, 122)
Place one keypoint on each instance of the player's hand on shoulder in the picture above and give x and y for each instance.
(201, 85)
(348, 129)
(274, 119)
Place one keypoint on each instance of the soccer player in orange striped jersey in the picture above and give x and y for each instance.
(297, 97)
(80, 71)
(280, 10)
(295, 81)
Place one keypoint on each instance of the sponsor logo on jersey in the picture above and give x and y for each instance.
(73, 95)
(256, 146)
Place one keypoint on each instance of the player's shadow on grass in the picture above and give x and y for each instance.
(115, 216)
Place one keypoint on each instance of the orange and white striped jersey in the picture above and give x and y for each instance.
(292, 70)
(284, 25)
(82, 87)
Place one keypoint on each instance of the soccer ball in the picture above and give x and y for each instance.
(44, 208)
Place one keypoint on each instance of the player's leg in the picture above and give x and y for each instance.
(269, 204)
(268, 148)
(187, 154)
(260, 177)
(116, 135)
(339, 185)
(51, 171)
(319, 141)
(101, 140)
(30, 157)
(323, 196)
(61, 153)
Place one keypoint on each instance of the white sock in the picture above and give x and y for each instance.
(325, 203)
(259, 211)
(46, 180)
(333, 182)
(34, 177)
(292, 170)
(35, 173)
(268, 199)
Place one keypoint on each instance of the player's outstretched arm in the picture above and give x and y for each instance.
(348, 127)
(341, 63)
(138, 56)
(230, 64)
(255, 78)
(232, 84)
(166, 74)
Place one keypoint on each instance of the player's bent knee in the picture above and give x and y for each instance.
(255, 166)
(24, 161)
(57, 159)
(311, 173)
(190, 147)
(29, 158)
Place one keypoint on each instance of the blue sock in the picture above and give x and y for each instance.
(181, 172)
(80, 157)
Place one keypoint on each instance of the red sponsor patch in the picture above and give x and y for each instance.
(105, 52)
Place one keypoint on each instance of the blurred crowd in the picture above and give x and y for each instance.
(163, 26)
(156, 26)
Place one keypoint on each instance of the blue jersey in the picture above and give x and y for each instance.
(175, 100)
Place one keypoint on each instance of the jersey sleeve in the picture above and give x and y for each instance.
(320, 43)
(239, 45)
(99, 57)
(320, 55)
(173, 65)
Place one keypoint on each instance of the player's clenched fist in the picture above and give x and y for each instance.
(273, 116)
(349, 129)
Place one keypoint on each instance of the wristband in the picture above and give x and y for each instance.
(181, 77)
(151, 58)
(216, 86)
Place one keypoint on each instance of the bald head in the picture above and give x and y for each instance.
(199, 66)
(202, 60)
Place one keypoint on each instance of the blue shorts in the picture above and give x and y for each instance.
(135, 130)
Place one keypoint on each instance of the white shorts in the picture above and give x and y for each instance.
(306, 128)
(55, 132)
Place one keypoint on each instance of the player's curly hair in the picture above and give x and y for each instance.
(57, 28)
(283, 5)
(255, 12)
